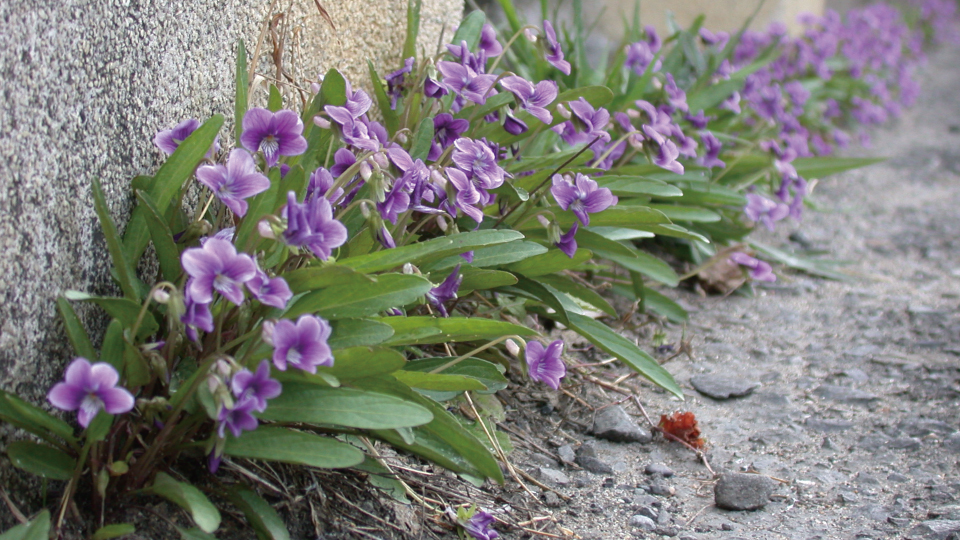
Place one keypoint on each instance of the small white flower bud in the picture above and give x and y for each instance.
(267, 332)
(438, 179)
(381, 160)
(442, 223)
(321, 122)
(365, 210)
(161, 296)
(563, 112)
(266, 230)
(365, 171)
(543, 220)
(408, 269)
(315, 88)
(512, 347)
(530, 34)
(633, 113)
(402, 137)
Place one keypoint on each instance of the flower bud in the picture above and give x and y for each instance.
(267, 332)
(381, 160)
(563, 112)
(365, 171)
(442, 223)
(543, 220)
(161, 296)
(365, 210)
(530, 34)
(315, 88)
(633, 113)
(513, 348)
(409, 269)
(321, 122)
(266, 229)
(402, 137)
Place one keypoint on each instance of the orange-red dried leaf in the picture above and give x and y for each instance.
(683, 425)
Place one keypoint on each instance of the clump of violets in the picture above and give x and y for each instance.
(217, 267)
(302, 345)
(581, 195)
(311, 225)
(757, 270)
(89, 388)
(545, 364)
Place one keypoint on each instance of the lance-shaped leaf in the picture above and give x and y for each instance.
(262, 517)
(184, 495)
(358, 333)
(284, 445)
(388, 291)
(510, 252)
(430, 250)
(429, 330)
(348, 407)
(41, 460)
(75, 331)
(122, 267)
(168, 254)
(36, 529)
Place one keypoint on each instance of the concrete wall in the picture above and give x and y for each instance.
(86, 84)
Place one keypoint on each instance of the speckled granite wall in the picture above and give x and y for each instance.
(85, 86)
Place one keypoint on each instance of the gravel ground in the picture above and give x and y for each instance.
(850, 419)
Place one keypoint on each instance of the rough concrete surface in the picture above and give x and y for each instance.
(86, 85)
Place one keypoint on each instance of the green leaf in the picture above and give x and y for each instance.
(664, 306)
(549, 296)
(41, 460)
(33, 419)
(167, 183)
(388, 291)
(613, 343)
(122, 309)
(711, 194)
(320, 277)
(487, 373)
(243, 87)
(578, 291)
(469, 29)
(75, 331)
(810, 266)
(629, 186)
(390, 118)
(358, 333)
(184, 495)
(265, 521)
(284, 445)
(619, 233)
(383, 479)
(430, 330)
(474, 279)
(275, 100)
(344, 407)
(444, 440)
(632, 259)
(115, 530)
(675, 231)
(167, 252)
(552, 261)
(413, 29)
(422, 140)
(818, 167)
(194, 533)
(687, 213)
(114, 246)
(443, 382)
(360, 362)
(430, 250)
(502, 254)
(36, 529)
(111, 350)
(334, 88)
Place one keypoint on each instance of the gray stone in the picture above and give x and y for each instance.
(939, 529)
(566, 454)
(587, 449)
(553, 477)
(642, 522)
(828, 426)
(551, 500)
(649, 511)
(668, 530)
(614, 424)
(904, 443)
(917, 427)
(740, 491)
(662, 489)
(594, 465)
(843, 394)
(723, 386)
(658, 468)
(664, 517)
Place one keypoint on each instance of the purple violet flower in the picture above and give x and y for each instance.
(554, 53)
(446, 291)
(216, 266)
(712, 146)
(699, 120)
(465, 81)
(196, 315)
(533, 99)
(592, 121)
(343, 159)
(568, 241)
(87, 388)
(764, 210)
(258, 386)
(312, 225)
(676, 96)
(582, 196)
(478, 160)
(513, 125)
(759, 270)
(446, 130)
(667, 157)
(169, 139)
(276, 134)
(238, 418)
(395, 81)
(238, 180)
(467, 195)
(433, 89)
(321, 181)
(271, 292)
(488, 41)
(302, 345)
(480, 526)
(545, 365)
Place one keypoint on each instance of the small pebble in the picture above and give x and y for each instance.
(741, 491)
(614, 424)
(566, 454)
(658, 468)
(643, 522)
(553, 476)
(551, 500)
(723, 386)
